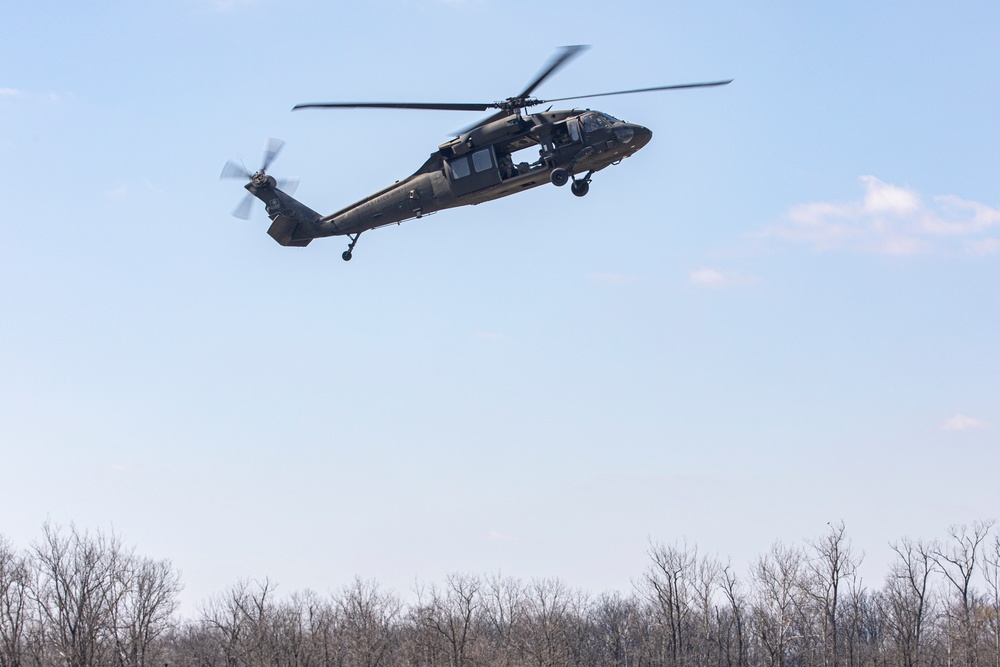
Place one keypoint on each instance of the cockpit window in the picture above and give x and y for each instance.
(611, 119)
(574, 129)
(594, 121)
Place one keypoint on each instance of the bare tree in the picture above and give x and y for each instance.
(668, 584)
(192, 644)
(549, 632)
(78, 588)
(777, 599)
(614, 620)
(319, 621)
(705, 586)
(991, 572)
(906, 599)
(504, 614)
(958, 559)
(832, 560)
(862, 625)
(237, 620)
(145, 609)
(15, 607)
(732, 589)
(451, 616)
(83, 600)
(365, 618)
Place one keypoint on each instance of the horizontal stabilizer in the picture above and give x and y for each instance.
(282, 231)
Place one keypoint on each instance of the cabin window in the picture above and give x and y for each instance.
(460, 167)
(481, 160)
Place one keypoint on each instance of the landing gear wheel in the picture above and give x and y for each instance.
(580, 188)
(350, 246)
(559, 177)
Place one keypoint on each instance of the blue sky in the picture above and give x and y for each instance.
(782, 312)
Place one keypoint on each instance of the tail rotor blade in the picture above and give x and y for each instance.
(274, 147)
(234, 169)
(288, 185)
(243, 210)
(254, 182)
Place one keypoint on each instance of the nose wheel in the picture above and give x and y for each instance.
(559, 177)
(346, 256)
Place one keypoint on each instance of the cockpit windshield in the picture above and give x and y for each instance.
(598, 120)
(595, 121)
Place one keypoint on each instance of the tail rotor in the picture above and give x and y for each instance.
(259, 179)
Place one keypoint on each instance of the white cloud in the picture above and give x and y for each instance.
(709, 277)
(893, 220)
(884, 198)
(23, 96)
(119, 193)
(982, 247)
(960, 422)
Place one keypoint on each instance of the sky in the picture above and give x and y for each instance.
(783, 312)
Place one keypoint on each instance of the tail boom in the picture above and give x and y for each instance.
(292, 222)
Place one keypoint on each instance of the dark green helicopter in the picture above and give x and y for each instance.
(509, 152)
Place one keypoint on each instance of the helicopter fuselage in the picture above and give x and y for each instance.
(486, 163)
(492, 159)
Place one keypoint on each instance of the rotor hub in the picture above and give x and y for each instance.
(517, 103)
(261, 180)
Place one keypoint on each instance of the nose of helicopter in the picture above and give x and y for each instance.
(632, 136)
(641, 137)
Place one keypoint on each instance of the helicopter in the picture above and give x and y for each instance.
(493, 158)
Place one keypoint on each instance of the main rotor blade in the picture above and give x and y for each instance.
(640, 90)
(557, 61)
(497, 116)
(434, 106)
(566, 54)
(274, 147)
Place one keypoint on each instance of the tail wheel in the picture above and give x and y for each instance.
(346, 255)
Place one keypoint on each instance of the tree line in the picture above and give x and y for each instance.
(84, 599)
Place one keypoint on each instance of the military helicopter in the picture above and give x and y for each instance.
(484, 162)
